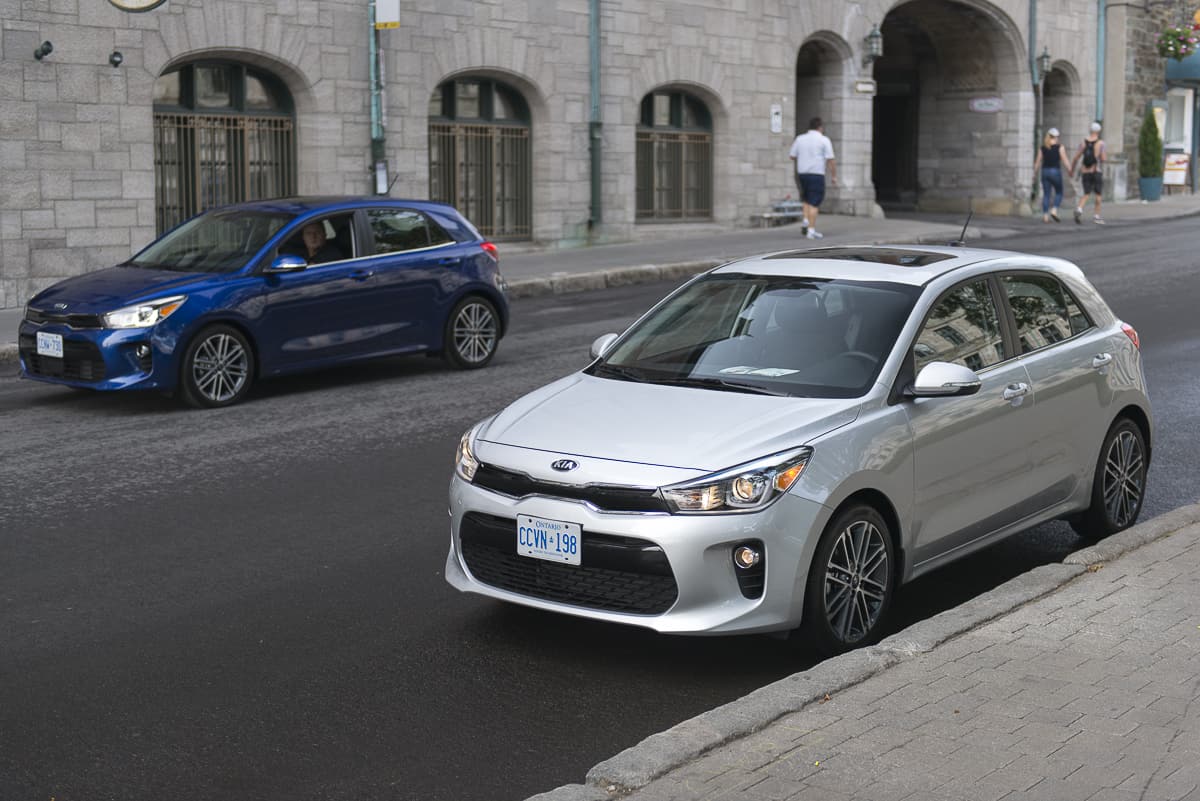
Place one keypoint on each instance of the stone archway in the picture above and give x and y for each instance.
(951, 90)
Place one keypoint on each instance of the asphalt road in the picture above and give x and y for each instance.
(249, 602)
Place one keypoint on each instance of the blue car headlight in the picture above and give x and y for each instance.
(747, 487)
(144, 315)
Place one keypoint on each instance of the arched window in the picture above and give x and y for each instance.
(674, 158)
(223, 133)
(479, 155)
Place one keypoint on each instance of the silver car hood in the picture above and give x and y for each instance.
(680, 427)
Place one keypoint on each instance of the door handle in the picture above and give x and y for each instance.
(1016, 392)
(1102, 360)
(361, 275)
(450, 260)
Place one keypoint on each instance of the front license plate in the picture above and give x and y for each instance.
(552, 540)
(49, 344)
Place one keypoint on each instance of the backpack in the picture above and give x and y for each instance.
(1089, 153)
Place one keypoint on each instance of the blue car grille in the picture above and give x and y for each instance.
(38, 317)
(616, 574)
(606, 498)
(81, 361)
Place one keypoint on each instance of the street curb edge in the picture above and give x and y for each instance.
(637, 766)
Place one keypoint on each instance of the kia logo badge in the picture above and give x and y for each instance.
(60, 306)
(563, 465)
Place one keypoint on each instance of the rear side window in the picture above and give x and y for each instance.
(963, 328)
(398, 230)
(1044, 309)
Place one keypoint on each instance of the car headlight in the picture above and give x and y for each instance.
(465, 463)
(748, 487)
(143, 315)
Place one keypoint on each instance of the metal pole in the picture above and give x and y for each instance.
(594, 123)
(379, 180)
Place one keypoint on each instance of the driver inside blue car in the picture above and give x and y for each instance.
(318, 248)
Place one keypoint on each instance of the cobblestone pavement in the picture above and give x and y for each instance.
(1091, 692)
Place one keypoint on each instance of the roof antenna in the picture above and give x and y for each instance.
(962, 238)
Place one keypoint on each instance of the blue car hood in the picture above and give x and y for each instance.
(112, 288)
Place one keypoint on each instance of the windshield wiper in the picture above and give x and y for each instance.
(616, 371)
(719, 383)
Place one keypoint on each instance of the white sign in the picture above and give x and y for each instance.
(776, 118)
(387, 14)
(865, 87)
(1175, 169)
(986, 105)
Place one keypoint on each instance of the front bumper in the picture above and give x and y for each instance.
(698, 548)
(100, 358)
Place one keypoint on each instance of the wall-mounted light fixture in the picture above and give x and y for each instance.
(1044, 63)
(43, 50)
(115, 58)
(872, 46)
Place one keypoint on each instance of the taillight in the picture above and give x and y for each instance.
(490, 249)
(1132, 334)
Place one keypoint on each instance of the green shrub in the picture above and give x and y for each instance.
(1150, 148)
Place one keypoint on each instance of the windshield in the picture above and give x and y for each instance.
(807, 337)
(217, 242)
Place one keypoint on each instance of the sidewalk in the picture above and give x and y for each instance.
(1075, 681)
(678, 251)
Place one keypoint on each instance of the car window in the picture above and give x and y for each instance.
(329, 239)
(813, 337)
(215, 242)
(1044, 310)
(963, 328)
(397, 230)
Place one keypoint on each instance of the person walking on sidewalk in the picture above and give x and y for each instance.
(1091, 150)
(1051, 160)
(812, 153)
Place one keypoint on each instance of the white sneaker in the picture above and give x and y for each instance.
(813, 233)
(1096, 219)
(803, 226)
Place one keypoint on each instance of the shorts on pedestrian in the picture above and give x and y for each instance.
(1093, 183)
(811, 186)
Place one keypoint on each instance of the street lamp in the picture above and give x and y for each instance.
(872, 46)
(1043, 67)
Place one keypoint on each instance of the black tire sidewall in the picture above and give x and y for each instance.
(1095, 524)
(190, 391)
(450, 350)
(816, 629)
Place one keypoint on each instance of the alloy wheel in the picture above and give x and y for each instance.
(220, 367)
(474, 332)
(1123, 479)
(856, 581)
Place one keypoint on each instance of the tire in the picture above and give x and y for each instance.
(851, 582)
(472, 333)
(218, 368)
(1119, 484)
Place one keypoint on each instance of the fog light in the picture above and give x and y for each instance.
(143, 351)
(746, 557)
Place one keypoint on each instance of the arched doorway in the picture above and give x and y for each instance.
(224, 132)
(949, 89)
(674, 165)
(479, 155)
(818, 82)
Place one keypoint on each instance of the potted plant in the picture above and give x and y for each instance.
(1179, 42)
(1150, 158)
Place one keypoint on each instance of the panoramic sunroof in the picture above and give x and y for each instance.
(892, 256)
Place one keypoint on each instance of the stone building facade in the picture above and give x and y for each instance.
(489, 102)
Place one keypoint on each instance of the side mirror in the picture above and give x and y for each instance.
(602, 344)
(286, 263)
(943, 380)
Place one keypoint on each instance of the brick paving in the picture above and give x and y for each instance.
(1091, 693)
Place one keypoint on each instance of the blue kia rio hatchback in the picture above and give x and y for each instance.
(272, 287)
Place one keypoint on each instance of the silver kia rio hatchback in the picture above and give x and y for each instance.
(786, 439)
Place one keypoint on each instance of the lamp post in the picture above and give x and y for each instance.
(1043, 63)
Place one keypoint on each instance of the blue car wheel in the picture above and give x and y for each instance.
(472, 333)
(218, 367)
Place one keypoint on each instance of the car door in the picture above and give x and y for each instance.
(1068, 360)
(971, 456)
(413, 259)
(321, 312)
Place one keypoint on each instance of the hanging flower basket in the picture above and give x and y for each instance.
(1179, 43)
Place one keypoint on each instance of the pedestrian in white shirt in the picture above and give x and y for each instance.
(812, 153)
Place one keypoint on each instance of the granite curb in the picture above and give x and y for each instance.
(661, 753)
